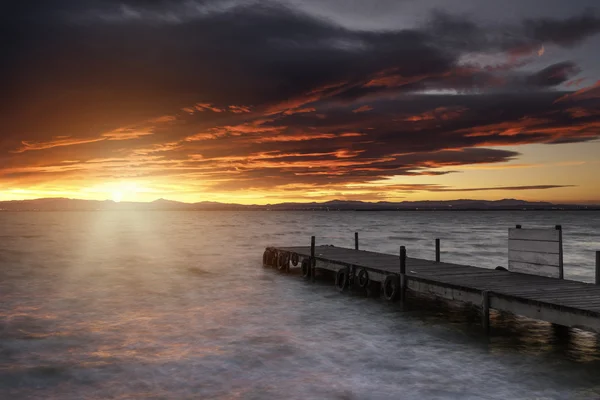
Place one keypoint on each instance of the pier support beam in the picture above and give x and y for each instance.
(437, 250)
(355, 240)
(562, 334)
(313, 261)
(485, 311)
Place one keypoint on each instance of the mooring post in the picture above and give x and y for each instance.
(485, 311)
(437, 250)
(402, 259)
(598, 268)
(560, 252)
(355, 240)
(402, 274)
(313, 262)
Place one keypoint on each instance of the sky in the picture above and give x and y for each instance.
(260, 102)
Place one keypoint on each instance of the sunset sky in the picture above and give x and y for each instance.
(300, 100)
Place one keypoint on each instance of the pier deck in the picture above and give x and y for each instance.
(559, 301)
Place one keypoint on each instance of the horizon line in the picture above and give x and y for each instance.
(582, 202)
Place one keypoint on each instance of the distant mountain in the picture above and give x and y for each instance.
(62, 204)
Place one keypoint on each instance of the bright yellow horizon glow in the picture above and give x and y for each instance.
(567, 164)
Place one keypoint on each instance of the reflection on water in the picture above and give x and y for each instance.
(176, 305)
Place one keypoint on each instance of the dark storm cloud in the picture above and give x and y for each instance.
(255, 90)
(251, 54)
(566, 32)
(461, 33)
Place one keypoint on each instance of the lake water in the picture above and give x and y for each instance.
(176, 305)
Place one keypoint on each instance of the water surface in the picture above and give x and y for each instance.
(161, 305)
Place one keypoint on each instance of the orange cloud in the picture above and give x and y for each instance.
(440, 113)
(207, 106)
(163, 119)
(126, 134)
(590, 92)
(239, 109)
(294, 137)
(306, 98)
(364, 108)
(28, 146)
(299, 111)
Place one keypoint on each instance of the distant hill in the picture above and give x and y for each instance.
(62, 204)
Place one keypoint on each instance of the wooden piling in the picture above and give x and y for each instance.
(560, 254)
(562, 333)
(402, 274)
(313, 262)
(402, 260)
(485, 311)
(355, 240)
(437, 250)
(598, 268)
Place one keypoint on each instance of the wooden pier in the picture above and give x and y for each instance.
(548, 298)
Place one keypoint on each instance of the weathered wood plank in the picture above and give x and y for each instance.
(561, 299)
(534, 258)
(551, 235)
(549, 314)
(563, 294)
(533, 245)
(534, 269)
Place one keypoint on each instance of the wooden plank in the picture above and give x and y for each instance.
(534, 245)
(566, 295)
(568, 298)
(562, 317)
(462, 274)
(551, 235)
(534, 258)
(570, 303)
(534, 269)
(580, 306)
(444, 292)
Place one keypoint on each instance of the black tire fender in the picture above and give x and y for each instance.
(362, 278)
(342, 279)
(295, 259)
(283, 261)
(391, 287)
(273, 258)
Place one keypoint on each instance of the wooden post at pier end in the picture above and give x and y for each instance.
(598, 268)
(355, 240)
(402, 260)
(402, 274)
(560, 251)
(313, 262)
(485, 311)
(437, 250)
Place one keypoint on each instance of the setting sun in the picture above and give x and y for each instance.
(117, 196)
